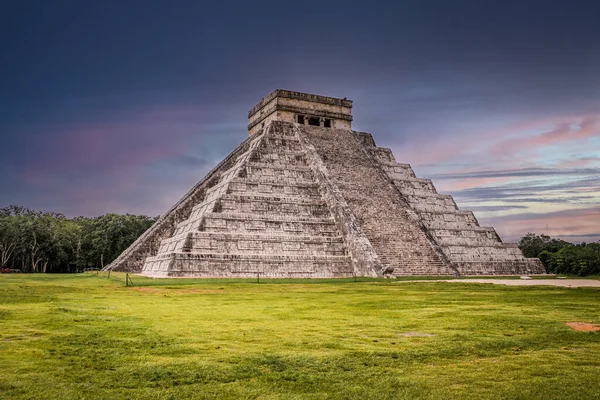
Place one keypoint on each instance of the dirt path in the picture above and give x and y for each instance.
(531, 282)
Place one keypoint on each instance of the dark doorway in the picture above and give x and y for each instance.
(314, 121)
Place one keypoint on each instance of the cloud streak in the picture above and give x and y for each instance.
(517, 173)
(563, 132)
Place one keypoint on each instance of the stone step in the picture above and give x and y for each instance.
(275, 198)
(449, 225)
(414, 186)
(277, 165)
(257, 205)
(417, 198)
(433, 205)
(391, 261)
(270, 218)
(453, 212)
(446, 241)
(257, 171)
(395, 164)
(235, 243)
(274, 186)
(471, 231)
(249, 266)
(272, 155)
(383, 154)
(422, 272)
(440, 218)
(280, 145)
(398, 171)
(494, 267)
(289, 224)
(494, 245)
(266, 180)
(192, 238)
(486, 254)
(276, 137)
(477, 233)
(212, 194)
(315, 207)
(406, 265)
(267, 237)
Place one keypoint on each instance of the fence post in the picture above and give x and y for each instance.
(109, 274)
(128, 280)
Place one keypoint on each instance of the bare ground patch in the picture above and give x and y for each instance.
(584, 326)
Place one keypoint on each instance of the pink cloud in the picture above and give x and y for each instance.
(579, 162)
(467, 183)
(140, 140)
(504, 142)
(565, 131)
(579, 222)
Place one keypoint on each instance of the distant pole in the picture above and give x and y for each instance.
(258, 277)
(126, 279)
(109, 274)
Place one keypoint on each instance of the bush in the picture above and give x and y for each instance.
(561, 257)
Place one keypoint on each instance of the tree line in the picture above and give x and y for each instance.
(36, 241)
(561, 257)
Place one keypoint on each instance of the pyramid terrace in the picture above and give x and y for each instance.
(305, 196)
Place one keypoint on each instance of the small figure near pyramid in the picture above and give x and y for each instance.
(304, 196)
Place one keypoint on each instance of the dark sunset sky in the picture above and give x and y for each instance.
(122, 106)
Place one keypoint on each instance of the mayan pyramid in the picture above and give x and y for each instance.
(305, 196)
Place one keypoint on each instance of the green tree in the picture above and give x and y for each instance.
(49, 242)
(532, 245)
(9, 239)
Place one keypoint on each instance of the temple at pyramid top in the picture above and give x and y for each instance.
(302, 108)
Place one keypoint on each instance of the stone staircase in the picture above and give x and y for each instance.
(471, 248)
(401, 244)
(265, 215)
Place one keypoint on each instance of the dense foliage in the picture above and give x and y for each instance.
(34, 241)
(560, 257)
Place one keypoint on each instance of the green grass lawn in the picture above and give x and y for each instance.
(84, 336)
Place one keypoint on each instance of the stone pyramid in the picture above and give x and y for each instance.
(305, 196)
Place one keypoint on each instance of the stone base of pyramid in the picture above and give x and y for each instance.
(523, 266)
(247, 266)
(303, 201)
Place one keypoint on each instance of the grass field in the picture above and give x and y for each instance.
(84, 336)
